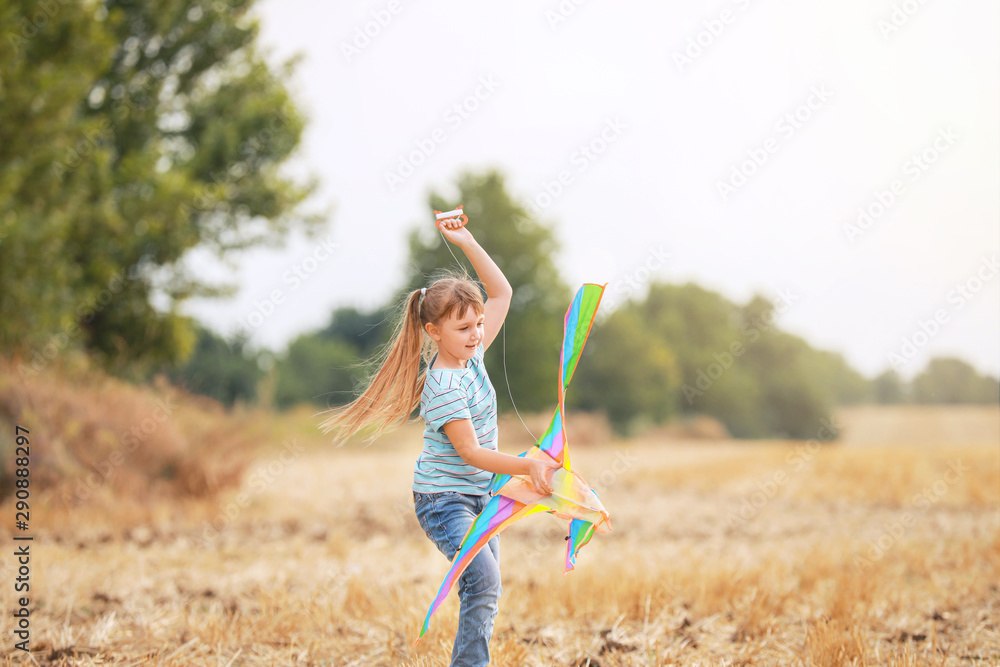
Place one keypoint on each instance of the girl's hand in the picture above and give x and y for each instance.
(454, 232)
(539, 470)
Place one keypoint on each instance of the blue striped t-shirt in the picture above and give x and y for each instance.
(449, 394)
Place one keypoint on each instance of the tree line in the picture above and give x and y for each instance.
(679, 351)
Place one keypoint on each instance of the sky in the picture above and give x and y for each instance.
(841, 159)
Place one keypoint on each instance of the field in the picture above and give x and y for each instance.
(881, 549)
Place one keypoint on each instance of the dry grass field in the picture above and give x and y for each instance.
(882, 549)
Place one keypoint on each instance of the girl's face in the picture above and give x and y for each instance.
(458, 337)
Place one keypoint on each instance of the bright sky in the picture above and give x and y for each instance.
(731, 143)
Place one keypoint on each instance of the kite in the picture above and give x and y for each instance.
(514, 497)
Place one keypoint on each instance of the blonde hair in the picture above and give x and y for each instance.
(393, 391)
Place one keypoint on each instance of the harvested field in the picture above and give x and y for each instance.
(873, 551)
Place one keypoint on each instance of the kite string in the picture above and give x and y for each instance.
(503, 328)
(507, 380)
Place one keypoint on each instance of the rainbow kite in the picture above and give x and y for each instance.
(514, 497)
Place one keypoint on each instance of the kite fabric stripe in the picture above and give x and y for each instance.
(580, 532)
(579, 320)
(576, 327)
(499, 513)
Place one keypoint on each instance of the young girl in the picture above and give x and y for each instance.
(452, 475)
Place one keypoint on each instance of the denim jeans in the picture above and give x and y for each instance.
(446, 518)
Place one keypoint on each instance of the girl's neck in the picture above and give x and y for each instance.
(445, 362)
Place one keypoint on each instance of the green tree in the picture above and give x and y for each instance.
(48, 58)
(364, 330)
(794, 400)
(703, 330)
(523, 249)
(178, 128)
(330, 365)
(952, 380)
(989, 390)
(626, 371)
(888, 388)
(844, 385)
(227, 371)
(319, 370)
(737, 366)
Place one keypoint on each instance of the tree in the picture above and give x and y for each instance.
(227, 371)
(319, 370)
(626, 371)
(952, 380)
(989, 390)
(845, 386)
(178, 127)
(703, 330)
(888, 389)
(47, 62)
(365, 331)
(524, 250)
(329, 366)
(795, 400)
(737, 366)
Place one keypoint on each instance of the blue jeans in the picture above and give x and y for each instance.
(446, 518)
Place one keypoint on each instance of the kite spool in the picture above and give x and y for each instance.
(457, 215)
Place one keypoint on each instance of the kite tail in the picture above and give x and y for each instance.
(580, 532)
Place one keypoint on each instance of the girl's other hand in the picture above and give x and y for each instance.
(540, 470)
(454, 232)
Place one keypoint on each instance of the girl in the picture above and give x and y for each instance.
(452, 475)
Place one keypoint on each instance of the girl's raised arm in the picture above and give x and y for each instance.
(498, 290)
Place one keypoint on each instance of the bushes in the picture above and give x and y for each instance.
(93, 435)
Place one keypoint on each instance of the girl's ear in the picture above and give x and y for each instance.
(432, 331)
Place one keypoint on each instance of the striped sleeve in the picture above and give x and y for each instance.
(449, 405)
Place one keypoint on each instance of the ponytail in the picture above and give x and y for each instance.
(394, 391)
